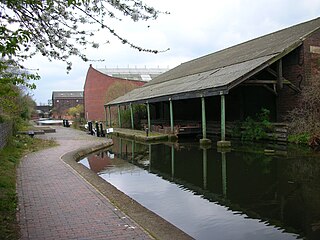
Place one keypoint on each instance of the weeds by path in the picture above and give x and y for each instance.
(10, 156)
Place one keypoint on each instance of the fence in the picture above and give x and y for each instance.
(5, 133)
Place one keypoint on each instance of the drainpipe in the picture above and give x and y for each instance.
(119, 116)
(171, 116)
(131, 113)
(148, 113)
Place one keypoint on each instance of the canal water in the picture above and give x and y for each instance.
(251, 192)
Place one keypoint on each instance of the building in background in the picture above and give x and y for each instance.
(43, 111)
(105, 84)
(63, 100)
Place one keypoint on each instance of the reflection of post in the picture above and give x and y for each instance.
(205, 163)
(132, 149)
(224, 173)
(172, 161)
(282, 203)
(149, 157)
(120, 148)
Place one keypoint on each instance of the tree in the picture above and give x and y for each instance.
(15, 105)
(55, 28)
(76, 111)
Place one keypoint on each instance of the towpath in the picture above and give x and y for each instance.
(55, 202)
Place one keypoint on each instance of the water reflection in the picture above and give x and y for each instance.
(242, 194)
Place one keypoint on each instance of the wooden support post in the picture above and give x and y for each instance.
(204, 139)
(204, 123)
(119, 116)
(131, 114)
(171, 116)
(149, 120)
(110, 116)
(223, 143)
(280, 75)
(223, 118)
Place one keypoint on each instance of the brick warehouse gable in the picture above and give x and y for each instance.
(299, 67)
(63, 100)
(98, 81)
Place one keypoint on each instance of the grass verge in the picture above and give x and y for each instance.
(9, 159)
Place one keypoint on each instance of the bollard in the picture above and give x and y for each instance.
(102, 134)
(31, 134)
(97, 129)
(90, 127)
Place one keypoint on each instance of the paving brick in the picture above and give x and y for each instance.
(56, 203)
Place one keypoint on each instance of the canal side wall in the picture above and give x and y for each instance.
(5, 133)
(155, 225)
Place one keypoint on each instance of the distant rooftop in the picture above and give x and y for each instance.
(138, 74)
(67, 94)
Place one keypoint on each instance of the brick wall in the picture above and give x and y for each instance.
(299, 67)
(5, 133)
(61, 106)
(95, 90)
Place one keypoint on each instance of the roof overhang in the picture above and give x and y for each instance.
(211, 83)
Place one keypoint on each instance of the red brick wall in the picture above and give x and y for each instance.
(61, 105)
(299, 68)
(95, 89)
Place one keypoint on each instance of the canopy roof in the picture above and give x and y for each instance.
(218, 72)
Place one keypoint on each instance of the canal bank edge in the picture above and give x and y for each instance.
(155, 225)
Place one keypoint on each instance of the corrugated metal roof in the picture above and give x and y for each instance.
(67, 94)
(223, 68)
(137, 74)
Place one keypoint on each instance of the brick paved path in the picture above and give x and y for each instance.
(56, 203)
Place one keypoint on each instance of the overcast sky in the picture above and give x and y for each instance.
(193, 29)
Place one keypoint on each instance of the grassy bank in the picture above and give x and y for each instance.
(9, 159)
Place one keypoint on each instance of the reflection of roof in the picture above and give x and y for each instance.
(67, 94)
(218, 72)
(138, 74)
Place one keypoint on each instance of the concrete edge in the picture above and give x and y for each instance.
(140, 137)
(155, 225)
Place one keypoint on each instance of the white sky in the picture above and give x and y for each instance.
(193, 29)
